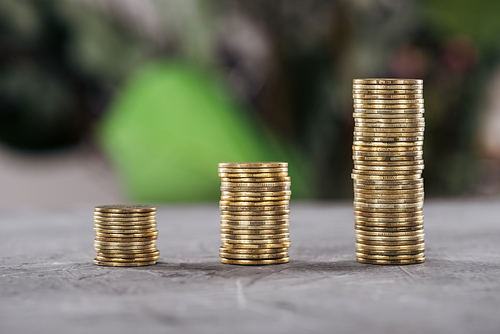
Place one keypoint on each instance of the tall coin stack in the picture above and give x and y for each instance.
(387, 174)
(255, 213)
(125, 235)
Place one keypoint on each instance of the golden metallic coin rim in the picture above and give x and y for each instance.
(257, 194)
(127, 235)
(256, 222)
(254, 175)
(254, 231)
(125, 239)
(231, 236)
(125, 251)
(387, 96)
(254, 203)
(252, 251)
(253, 256)
(121, 243)
(386, 81)
(254, 199)
(255, 262)
(125, 208)
(133, 255)
(252, 189)
(127, 260)
(255, 213)
(253, 170)
(255, 246)
(227, 241)
(238, 218)
(123, 264)
(253, 165)
(255, 227)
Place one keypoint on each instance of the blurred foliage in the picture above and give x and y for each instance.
(290, 65)
(171, 126)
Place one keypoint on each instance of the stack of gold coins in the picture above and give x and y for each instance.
(125, 235)
(387, 174)
(255, 213)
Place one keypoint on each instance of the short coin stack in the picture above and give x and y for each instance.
(125, 235)
(388, 163)
(255, 213)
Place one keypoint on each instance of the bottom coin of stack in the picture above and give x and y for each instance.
(125, 235)
(255, 213)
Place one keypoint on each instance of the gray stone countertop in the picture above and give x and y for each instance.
(48, 283)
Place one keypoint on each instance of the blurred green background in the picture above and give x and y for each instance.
(159, 92)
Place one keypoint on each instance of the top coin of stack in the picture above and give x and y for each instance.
(388, 163)
(255, 213)
(125, 235)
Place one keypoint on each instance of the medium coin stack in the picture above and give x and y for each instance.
(125, 235)
(387, 174)
(255, 213)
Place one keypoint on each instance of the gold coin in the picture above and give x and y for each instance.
(388, 130)
(388, 122)
(126, 239)
(127, 235)
(390, 257)
(375, 173)
(130, 231)
(388, 81)
(387, 155)
(124, 244)
(387, 101)
(385, 86)
(377, 159)
(397, 229)
(254, 184)
(125, 227)
(254, 236)
(387, 243)
(253, 170)
(125, 208)
(255, 213)
(254, 241)
(361, 247)
(255, 203)
(253, 165)
(125, 221)
(132, 215)
(419, 232)
(414, 161)
(257, 194)
(395, 262)
(361, 132)
(395, 149)
(408, 188)
(397, 140)
(254, 199)
(256, 180)
(387, 117)
(388, 192)
(258, 246)
(253, 256)
(278, 227)
(366, 220)
(395, 224)
(252, 251)
(417, 195)
(253, 231)
(372, 123)
(362, 237)
(123, 264)
(358, 176)
(265, 176)
(253, 209)
(127, 260)
(129, 256)
(387, 96)
(138, 247)
(417, 213)
(386, 210)
(387, 170)
(276, 218)
(256, 222)
(254, 189)
(363, 182)
(125, 251)
(386, 106)
(255, 262)
(373, 207)
(100, 243)
(415, 146)
(387, 91)
(389, 200)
